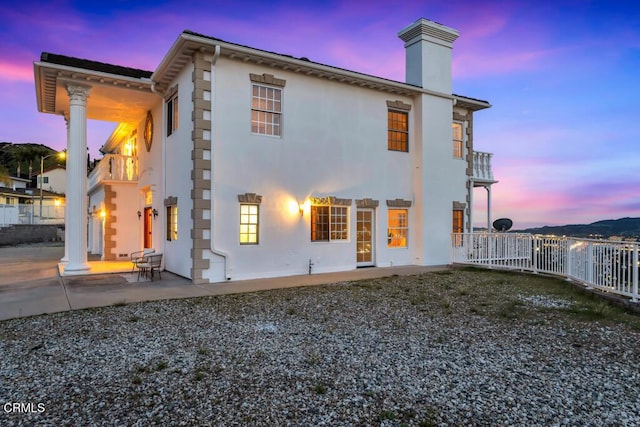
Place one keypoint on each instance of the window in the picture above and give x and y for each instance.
(398, 133)
(172, 114)
(457, 140)
(172, 222)
(458, 221)
(458, 226)
(397, 229)
(248, 224)
(266, 110)
(329, 223)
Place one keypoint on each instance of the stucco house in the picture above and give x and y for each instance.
(240, 163)
(54, 179)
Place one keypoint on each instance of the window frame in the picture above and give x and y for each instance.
(334, 226)
(172, 114)
(247, 220)
(397, 144)
(266, 121)
(394, 238)
(458, 144)
(172, 222)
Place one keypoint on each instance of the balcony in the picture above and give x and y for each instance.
(482, 167)
(114, 167)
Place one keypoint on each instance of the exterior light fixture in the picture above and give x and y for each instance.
(139, 215)
(155, 213)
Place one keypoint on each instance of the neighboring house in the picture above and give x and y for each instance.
(239, 163)
(54, 179)
(17, 182)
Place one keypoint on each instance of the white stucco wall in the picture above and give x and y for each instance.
(334, 143)
(177, 165)
(57, 180)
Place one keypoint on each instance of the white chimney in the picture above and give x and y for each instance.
(428, 51)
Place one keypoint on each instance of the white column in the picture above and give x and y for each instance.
(77, 179)
(489, 226)
(471, 189)
(65, 258)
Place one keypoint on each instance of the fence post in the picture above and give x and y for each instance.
(568, 262)
(635, 271)
(590, 265)
(534, 253)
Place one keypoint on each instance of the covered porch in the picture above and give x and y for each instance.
(78, 90)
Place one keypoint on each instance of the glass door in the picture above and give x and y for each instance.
(365, 242)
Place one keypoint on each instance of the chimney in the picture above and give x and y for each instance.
(428, 51)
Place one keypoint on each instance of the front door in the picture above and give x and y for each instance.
(365, 239)
(148, 228)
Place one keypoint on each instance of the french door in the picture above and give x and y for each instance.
(365, 237)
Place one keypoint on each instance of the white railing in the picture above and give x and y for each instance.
(114, 167)
(30, 214)
(609, 266)
(482, 166)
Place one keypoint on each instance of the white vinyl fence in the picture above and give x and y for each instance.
(606, 265)
(30, 214)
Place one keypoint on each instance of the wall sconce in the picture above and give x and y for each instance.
(103, 213)
(155, 213)
(139, 215)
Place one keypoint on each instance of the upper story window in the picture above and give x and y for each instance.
(172, 112)
(398, 125)
(266, 104)
(456, 128)
(398, 132)
(266, 110)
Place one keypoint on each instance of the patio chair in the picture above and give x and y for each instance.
(147, 267)
(140, 256)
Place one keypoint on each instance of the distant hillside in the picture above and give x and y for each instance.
(12, 155)
(623, 227)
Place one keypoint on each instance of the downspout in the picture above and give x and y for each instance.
(218, 252)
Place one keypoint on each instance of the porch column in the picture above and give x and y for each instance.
(471, 188)
(489, 226)
(76, 215)
(65, 258)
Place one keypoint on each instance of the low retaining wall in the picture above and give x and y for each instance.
(26, 233)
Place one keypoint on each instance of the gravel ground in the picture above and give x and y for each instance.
(451, 348)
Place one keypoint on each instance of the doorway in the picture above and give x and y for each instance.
(365, 237)
(148, 228)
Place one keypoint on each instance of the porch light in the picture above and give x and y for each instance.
(139, 215)
(103, 213)
(155, 213)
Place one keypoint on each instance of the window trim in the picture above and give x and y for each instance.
(172, 113)
(392, 144)
(248, 223)
(275, 113)
(332, 216)
(390, 235)
(171, 211)
(458, 144)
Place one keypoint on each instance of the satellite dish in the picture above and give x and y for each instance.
(502, 224)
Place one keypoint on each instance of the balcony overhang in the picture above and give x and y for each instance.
(122, 97)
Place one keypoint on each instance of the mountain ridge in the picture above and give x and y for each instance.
(627, 227)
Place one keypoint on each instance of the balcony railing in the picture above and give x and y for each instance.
(601, 264)
(482, 166)
(114, 167)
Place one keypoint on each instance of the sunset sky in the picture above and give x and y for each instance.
(563, 78)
